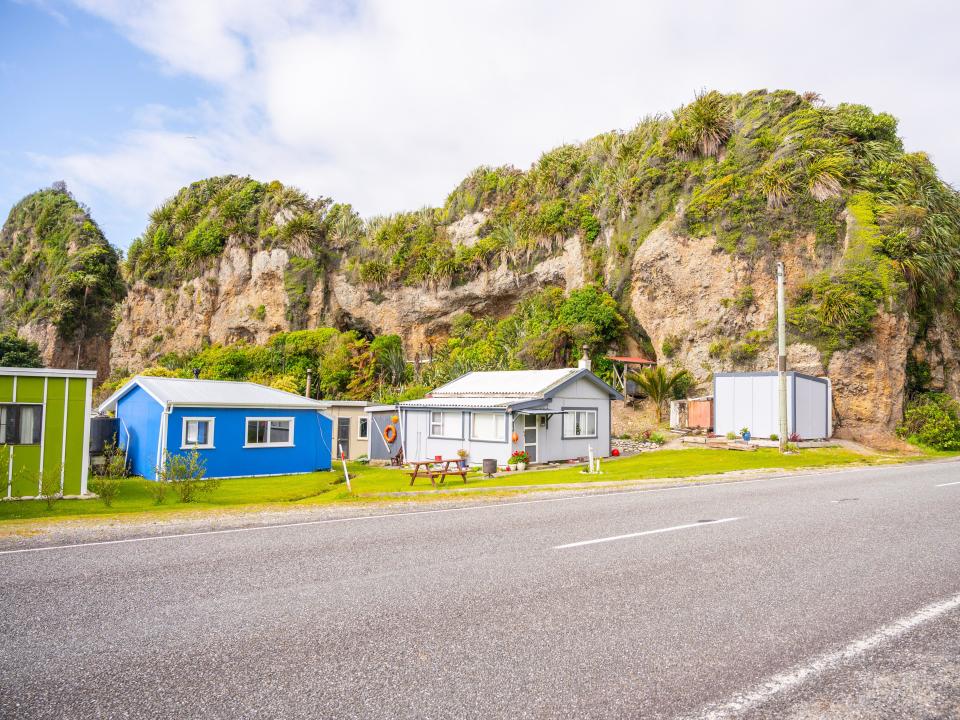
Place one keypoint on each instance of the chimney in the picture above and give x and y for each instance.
(584, 362)
(309, 382)
(196, 373)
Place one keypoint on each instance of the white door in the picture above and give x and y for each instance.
(530, 436)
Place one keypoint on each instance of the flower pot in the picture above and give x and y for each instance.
(746, 437)
(521, 466)
(512, 468)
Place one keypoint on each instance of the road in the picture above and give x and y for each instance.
(827, 595)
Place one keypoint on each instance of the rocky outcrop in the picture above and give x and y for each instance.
(718, 314)
(244, 297)
(91, 353)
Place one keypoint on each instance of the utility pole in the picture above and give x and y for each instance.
(782, 356)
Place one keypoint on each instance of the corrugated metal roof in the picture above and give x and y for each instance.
(212, 393)
(518, 384)
(469, 402)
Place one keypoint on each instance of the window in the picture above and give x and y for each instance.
(580, 423)
(197, 433)
(269, 432)
(446, 425)
(362, 432)
(20, 424)
(488, 426)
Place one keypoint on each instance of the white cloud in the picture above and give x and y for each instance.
(389, 104)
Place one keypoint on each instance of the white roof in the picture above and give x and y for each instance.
(468, 402)
(212, 393)
(522, 384)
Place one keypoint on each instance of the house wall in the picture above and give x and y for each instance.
(379, 448)
(311, 451)
(62, 449)
(579, 395)
(139, 416)
(356, 446)
(552, 446)
(418, 445)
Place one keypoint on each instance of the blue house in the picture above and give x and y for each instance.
(240, 429)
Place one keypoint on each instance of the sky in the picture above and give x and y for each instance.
(388, 104)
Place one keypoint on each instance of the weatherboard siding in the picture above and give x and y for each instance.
(63, 432)
(140, 414)
(229, 458)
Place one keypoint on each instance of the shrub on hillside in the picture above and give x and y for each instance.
(933, 419)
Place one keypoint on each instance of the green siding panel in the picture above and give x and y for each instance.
(30, 389)
(26, 470)
(6, 388)
(53, 425)
(76, 417)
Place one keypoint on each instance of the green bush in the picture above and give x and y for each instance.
(932, 419)
(670, 345)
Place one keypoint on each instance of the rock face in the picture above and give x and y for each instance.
(688, 294)
(91, 353)
(243, 297)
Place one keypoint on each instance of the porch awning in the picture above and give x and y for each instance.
(541, 412)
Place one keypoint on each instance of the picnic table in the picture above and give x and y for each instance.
(436, 468)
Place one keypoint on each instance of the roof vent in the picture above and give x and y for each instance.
(584, 362)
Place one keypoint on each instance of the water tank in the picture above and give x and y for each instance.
(103, 430)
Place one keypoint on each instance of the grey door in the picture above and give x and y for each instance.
(530, 436)
(343, 436)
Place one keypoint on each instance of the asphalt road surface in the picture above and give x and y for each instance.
(829, 595)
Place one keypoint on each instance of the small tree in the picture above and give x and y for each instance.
(186, 475)
(659, 385)
(50, 489)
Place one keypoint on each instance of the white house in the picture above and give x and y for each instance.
(552, 414)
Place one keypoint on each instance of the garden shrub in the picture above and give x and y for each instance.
(932, 419)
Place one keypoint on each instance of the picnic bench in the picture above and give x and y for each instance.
(436, 468)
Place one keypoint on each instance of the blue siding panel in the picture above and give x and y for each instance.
(140, 415)
(312, 437)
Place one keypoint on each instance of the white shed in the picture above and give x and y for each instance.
(751, 400)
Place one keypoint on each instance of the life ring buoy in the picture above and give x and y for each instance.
(389, 433)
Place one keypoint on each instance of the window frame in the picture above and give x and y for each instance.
(37, 437)
(574, 411)
(503, 435)
(363, 422)
(441, 436)
(246, 432)
(184, 445)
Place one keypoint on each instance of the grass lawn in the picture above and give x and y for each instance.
(370, 482)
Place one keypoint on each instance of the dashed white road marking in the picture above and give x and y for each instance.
(948, 484)
(799, 674)
(703, 523)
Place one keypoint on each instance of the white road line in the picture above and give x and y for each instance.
(948, 484)
(645, 532)
(591, 495)
(799, 674)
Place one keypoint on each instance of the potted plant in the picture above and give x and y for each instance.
(519, 459)
(745, 434)
(462, 453)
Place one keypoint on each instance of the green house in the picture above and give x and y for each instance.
(45, 428)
